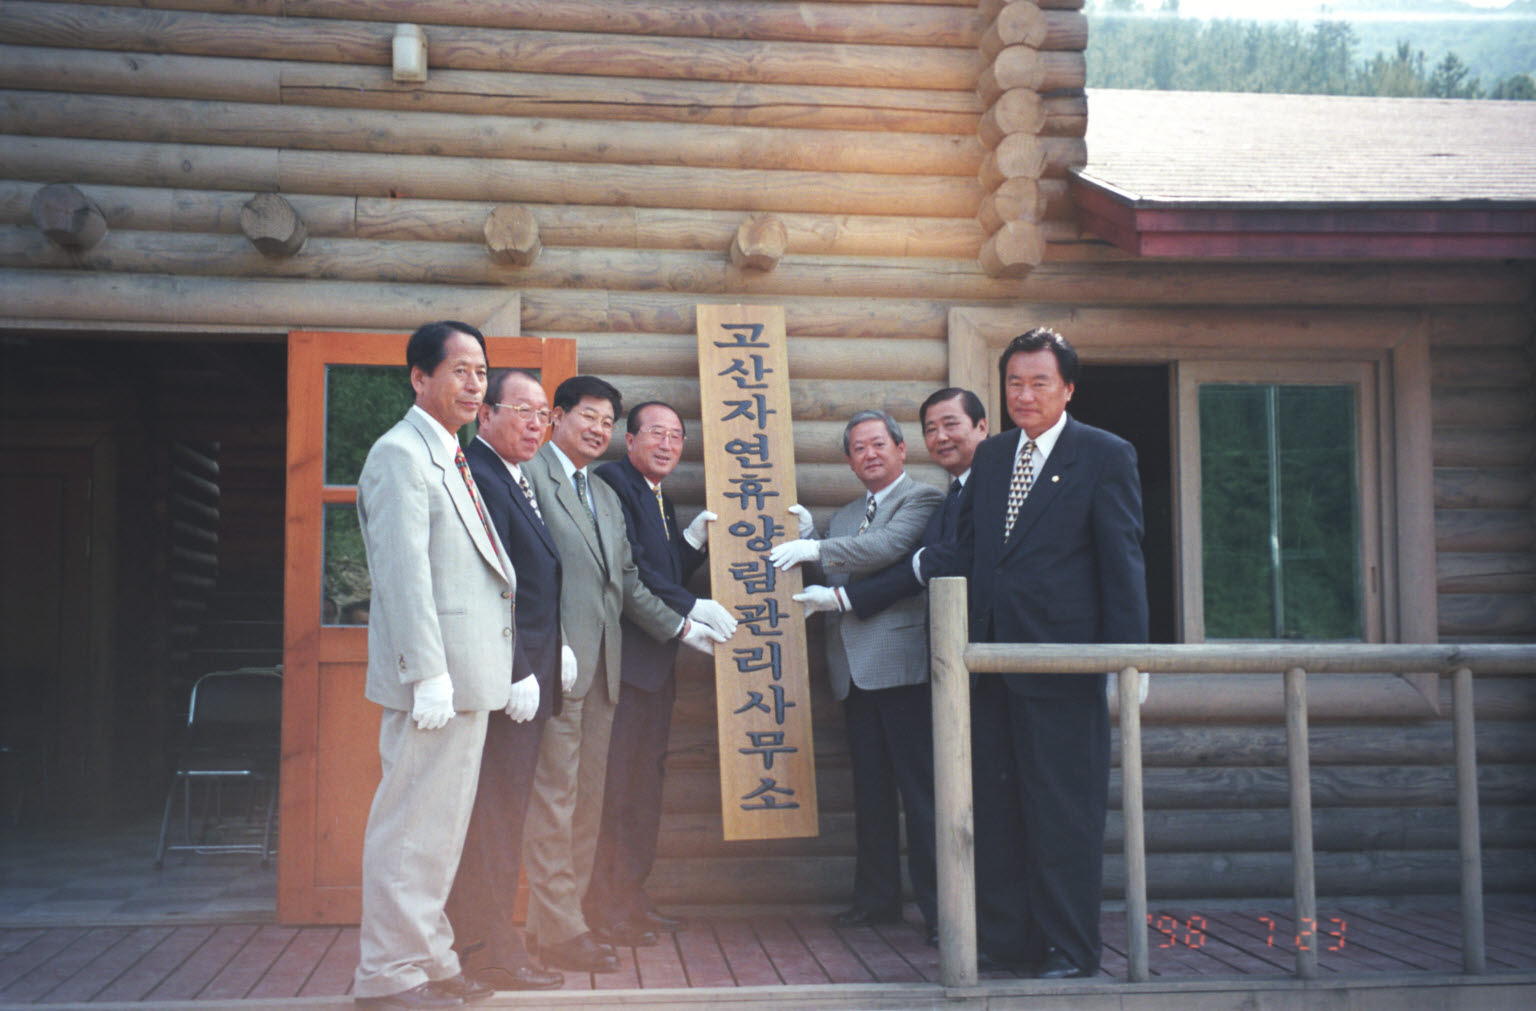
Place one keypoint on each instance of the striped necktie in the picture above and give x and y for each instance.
(1018, 488)
(661, 507)
(474, 496)
(869, 514)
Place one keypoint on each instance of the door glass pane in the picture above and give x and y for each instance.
(345, 583)
(1279, 512)
(361, 403)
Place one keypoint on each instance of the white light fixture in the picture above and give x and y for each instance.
(410, 53)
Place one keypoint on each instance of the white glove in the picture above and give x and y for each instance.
(807, 525)
(701, 637)
(525, 699)
(792, 553)
(433, 702)
(697, 533)
(1112, 687)
(819, 598)
(707, 612)
(567, 668)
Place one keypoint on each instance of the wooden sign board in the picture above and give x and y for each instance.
(762, 678)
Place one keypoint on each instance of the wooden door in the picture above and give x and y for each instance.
(344, 391)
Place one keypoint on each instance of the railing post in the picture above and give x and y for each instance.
(1473, 955)
(1300, 765)
(1131, 813)
(948, 630)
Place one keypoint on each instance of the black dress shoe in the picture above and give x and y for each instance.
(581, 953)
(522, 977)
(424, 995)
(1056, 965)
(858, 916)
(991, 963)
(657, 920)
(628, 934)
(470, 991)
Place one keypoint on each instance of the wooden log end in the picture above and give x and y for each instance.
(68, 217)
(1016, 249)
(759, 243)
(272, 225)
(512, 235)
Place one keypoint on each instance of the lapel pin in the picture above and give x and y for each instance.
(1055, 478)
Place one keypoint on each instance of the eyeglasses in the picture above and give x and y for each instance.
(665, 435)
(591, 417)
(525, 413)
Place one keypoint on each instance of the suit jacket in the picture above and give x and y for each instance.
(889, 648)
(1072, 571)
(869, 595)
(666, 562)
(537, 561)
(443, 587)
(600, 580)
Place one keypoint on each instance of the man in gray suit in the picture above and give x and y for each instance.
(600, 584)
(440, 641)
(878, 667)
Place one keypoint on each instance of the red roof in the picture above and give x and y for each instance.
(1217, 174)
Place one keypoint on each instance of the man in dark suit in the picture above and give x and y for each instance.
(599, 583)
(512, 422)
(667, 556)
(1049, 536)
(440, 644)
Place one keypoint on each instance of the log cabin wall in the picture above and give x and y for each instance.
(891, 163)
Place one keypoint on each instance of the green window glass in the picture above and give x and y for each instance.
(1280, 512)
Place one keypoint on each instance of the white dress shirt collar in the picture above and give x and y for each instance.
(1045, 443)
(884, 493)
(450, 441)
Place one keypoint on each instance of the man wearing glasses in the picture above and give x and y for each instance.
(616, 904)
(511, 426)
(599, 583)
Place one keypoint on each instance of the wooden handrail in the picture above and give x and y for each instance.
(955, 659)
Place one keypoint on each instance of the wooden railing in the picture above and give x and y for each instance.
(955, 659)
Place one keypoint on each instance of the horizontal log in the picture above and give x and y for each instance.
(1509, 616)
(810, 358)
(1484, 488)
(1359, 742)
(1484, 367)
(482, 179)
(1026, 24)
(1207, 788)
(1496, 530)
(655, 312)
(1480, 447)
(491, 92)
(321, 40)
(1494, 408)
(1485, 572)
(177, 121)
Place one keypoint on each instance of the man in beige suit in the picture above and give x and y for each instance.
(440, 640)
(600, 582)
(878, 667)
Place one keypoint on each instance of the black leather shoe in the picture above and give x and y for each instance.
(628, 934)
(858, 916)
(991, 963)
(425, 995)
(470, 991)
(1056, 965)
(581, 953)
(658, 920)
(522, 977)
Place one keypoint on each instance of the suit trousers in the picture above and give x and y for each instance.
(890, 745)
(411, 849)
(565, 814)
(485, 890)
(626, 847)
(1041, 787)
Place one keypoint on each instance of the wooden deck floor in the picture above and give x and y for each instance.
(156, 964)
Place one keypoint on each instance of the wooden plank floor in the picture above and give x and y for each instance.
(252, 961)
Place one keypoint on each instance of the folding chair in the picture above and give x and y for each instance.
(234, 729)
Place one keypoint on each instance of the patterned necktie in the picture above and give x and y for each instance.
(661, 507)
(522, 482)
(474, 496)
(869, 514)
(1018, 488)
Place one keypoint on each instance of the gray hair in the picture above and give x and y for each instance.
(858, 419)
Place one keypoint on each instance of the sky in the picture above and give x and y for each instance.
(1302, 10)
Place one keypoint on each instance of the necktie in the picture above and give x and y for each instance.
(951, 508)
(474, 496)
(869, 514)
(580, 477)
(661, 507)
(522, 482)
(1018, 488)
